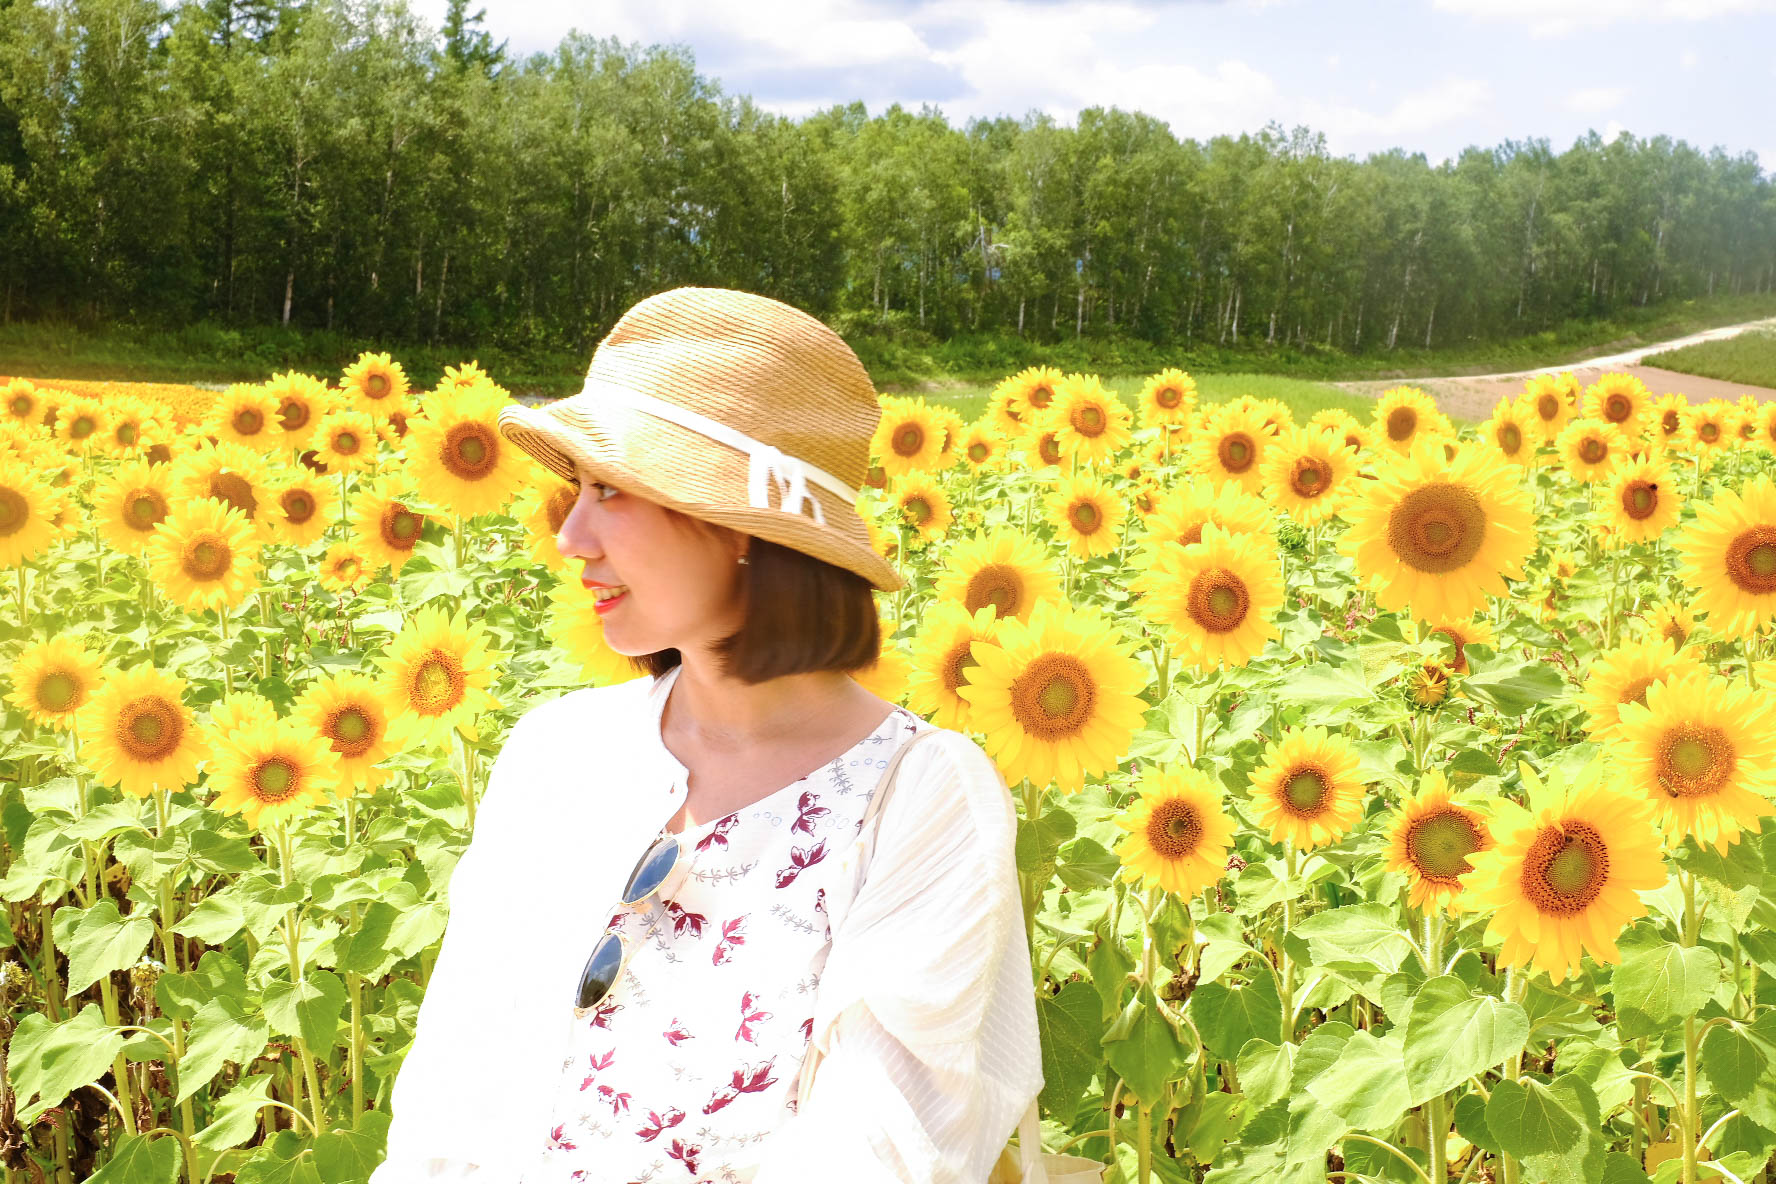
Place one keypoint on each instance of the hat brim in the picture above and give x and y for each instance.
(686, 471)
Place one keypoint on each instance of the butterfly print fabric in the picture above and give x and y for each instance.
(688, 1065)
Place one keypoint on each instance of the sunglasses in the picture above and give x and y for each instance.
(656, 866)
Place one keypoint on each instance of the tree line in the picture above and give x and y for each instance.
(338, 165)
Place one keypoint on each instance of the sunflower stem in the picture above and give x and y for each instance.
(24, 614)
(354, 985)
(465, 772)
(227, 668)
(170, 955)
(1689, 1115)
(1286, 968)
(1509, 1170)
(1143, 1142)
(293, 941)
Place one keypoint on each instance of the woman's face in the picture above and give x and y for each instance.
(682, 581)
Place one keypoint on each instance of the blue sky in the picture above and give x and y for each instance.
(1431, 76)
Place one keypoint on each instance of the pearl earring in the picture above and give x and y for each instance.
(743, 559)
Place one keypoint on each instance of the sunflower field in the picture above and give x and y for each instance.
(1390, 792)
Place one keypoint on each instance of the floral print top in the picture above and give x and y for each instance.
(693, 1059)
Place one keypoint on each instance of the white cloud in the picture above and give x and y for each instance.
(1689, 59)
(1596, 99)
(1421, 110)
(1553, 18)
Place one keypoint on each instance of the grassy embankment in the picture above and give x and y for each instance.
(1749, 358)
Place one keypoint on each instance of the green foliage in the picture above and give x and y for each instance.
(1749, 358)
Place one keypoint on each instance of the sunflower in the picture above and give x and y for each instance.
(1428, 685)
(80, 423)
(204, 555)
(130, 503)
(981, 446)
(1216, 599)
(950, 426)
(1184, 512)
(1437, 538)
(1087, 512)
(1622, 675)
(438, 670)
(377, 384)
(887, 676)
(942, 659)
(1729, 556)
(387, 531)
(1057, 699)
(575, 627)
(1619, 399)
(350, 712)
(1702, 751)
(456, 454)
(136, 732)
(230, 474)
(1003, 414)
(273, 772)
(1232, 448)
(1043, 449)
(921, 503)
(21, 402)
(1030, 391)
(1643, 498)
(1547, 403)
(1430, 838)
(52, 680)
(301, 400)
(1145, 499)
(27, 523)
(246, 414)
(1749, 427)
(345, 440)
(344, 568)
(237, 713)
(1308, 474)
(1563, 878)
(543, 509)
(1344, 426)
(1167, 399)
(1003, 568)
(1405, 416)
(1090, 423)
(1509, 431)
(1307, 790)
(131, 427)
(1708, 433)
(1179, 831)
(1590, 447)
(1665, 421)
(1671, 620)
(1458, 636)
(306, 503)
(1767, 427)
(908, 437)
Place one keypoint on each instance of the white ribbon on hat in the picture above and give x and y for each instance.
(765, 462)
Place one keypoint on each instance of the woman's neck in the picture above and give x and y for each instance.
(718, 713)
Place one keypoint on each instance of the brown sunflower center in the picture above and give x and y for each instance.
(235, 490)
(1438, 527)
(1401, 423)
(377, 386)
(1217, 600)
(1306, 791)
(1053, 698)
(59, 691)
(1709, 431)
(351, 730)
(1049, 449)
(1041, 396)
(126, 434)
(997, 584)
(1640, 498)
(299, 505)
(206, 557)
(1675, 632)
(1354, 440)
(347, 567)
(1175, 829)
(1168, 397)
(347, 442)
(1668, 423)
(294, 413)
(1457, 653)
(1617, 408)
(1510, 439)
(1547, 408)
(1085, 517)
(908, 439)
(400, 526)
(1191, 536)
(20, 406)
(979, 452)
(470, 451)
(1439, 844)
(1236, 451)
(559, 506)
(149, 728)
(82, 426)
(15, 511)
(1565, 868)
(1751, 560)
(1311, 476)
(438, 684)
(1695, 760)
(249, 421)
(917, 509)
(1592, 450)
(1634, 690)
(275, 779)
(957, 663)
(1088, 420)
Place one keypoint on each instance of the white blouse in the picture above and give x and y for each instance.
(924, 1010)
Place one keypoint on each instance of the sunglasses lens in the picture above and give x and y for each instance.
(653, 869)
(601, 970)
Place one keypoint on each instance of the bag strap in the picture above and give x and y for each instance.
(866, 837)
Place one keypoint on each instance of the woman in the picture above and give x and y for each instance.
(717, 445)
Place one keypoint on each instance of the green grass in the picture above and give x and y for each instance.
(1749, 358)
(1302, 397)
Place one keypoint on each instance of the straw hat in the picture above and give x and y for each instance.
(729, 407)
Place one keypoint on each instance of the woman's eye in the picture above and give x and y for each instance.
(600, 489)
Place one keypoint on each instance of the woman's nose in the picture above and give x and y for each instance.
(576, 539)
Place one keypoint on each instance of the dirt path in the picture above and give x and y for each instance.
(1473, 396)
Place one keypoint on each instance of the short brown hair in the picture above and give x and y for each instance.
(802, 614)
